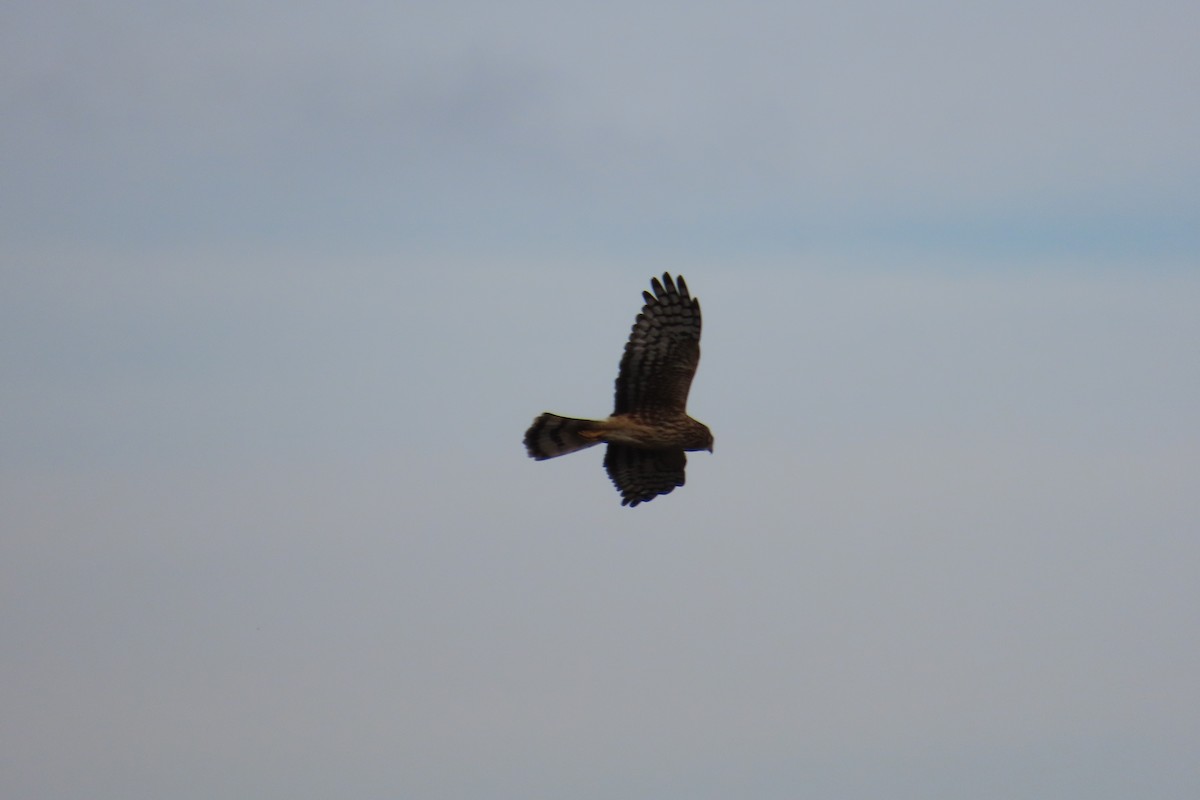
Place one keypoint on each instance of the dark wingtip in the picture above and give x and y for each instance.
(669, 286)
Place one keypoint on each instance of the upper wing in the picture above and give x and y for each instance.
(642, 475)
(663, 351)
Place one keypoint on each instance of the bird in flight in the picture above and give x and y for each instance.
(649, 429)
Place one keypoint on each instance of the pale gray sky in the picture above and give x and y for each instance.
(284, 283)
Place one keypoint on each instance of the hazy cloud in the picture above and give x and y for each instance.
(493, 116)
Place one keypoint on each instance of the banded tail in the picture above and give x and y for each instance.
(551, 435)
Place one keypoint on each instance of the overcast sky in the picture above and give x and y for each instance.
(284, 283)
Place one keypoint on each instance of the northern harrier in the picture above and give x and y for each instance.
(649, 429)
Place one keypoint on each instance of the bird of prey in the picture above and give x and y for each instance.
(649, 429)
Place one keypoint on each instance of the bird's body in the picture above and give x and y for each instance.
(649, 430)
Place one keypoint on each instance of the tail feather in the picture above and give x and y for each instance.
(551, 435)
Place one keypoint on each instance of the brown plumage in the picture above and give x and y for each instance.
(649, 429)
